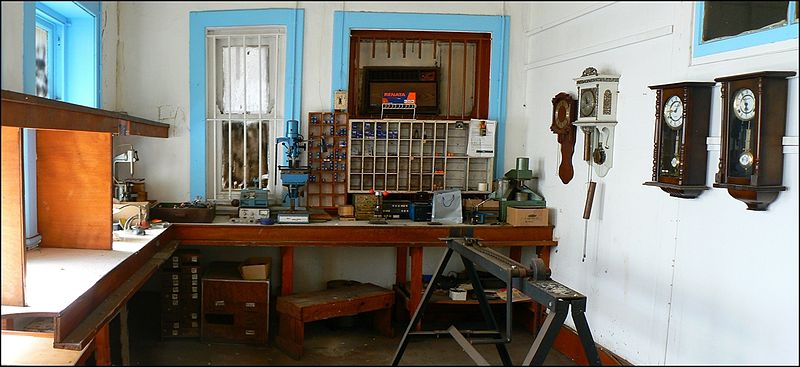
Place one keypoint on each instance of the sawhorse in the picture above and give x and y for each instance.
(533, 282)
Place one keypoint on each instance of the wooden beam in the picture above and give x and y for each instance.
(25, 110)
(74, 189)
(13, 231)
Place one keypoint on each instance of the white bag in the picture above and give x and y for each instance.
(447, 206)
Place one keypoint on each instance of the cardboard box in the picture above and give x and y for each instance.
(256, 268)
(527, 217)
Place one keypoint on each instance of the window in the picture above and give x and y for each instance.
(243, 107)
(449, 71)
(722, 26)
(49, 53)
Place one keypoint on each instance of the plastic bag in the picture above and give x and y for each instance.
(447, 207)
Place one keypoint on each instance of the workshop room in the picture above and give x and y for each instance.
(400, 183)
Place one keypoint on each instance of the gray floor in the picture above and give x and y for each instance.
(325, 344)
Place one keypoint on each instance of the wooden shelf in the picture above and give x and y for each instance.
(408, 156)
(327, 184)
(27, 111)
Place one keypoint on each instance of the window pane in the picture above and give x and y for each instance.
(243, 70)
(41, 62)
(729, 18)
(232, 155)
(253, 153)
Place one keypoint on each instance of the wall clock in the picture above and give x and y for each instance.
(564, 114)
(683, 111)
(753, 124)
(597, 114)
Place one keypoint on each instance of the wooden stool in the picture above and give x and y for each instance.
(296, 310)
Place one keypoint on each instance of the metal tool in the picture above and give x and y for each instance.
(512, 191)
(534, 282)
(122, 189)
(293, 175)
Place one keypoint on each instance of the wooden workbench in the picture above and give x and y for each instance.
(410, 238)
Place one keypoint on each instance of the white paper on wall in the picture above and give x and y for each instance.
(481, 138)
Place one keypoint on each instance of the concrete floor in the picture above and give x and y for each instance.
(325, 344)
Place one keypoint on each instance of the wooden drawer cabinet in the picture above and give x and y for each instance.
(234, 309)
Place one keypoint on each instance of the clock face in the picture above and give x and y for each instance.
(562, 116)
(744, 104)
(588, 102)
(673, 112)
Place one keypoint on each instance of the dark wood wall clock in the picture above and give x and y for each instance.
(564, 114)
(753, 124)
(683, 111)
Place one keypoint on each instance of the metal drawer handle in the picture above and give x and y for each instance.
(219, 303)
(249, 332)
(250, 305)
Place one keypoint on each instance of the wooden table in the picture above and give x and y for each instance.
(408, 237)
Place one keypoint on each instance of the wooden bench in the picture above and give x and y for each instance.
(296, 310)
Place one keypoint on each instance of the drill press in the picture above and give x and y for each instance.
(293, 175)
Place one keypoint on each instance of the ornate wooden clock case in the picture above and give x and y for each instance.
(565, 111)
(753, 124)
(683, 112)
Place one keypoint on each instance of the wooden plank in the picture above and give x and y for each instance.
(24, 110)
(347, 307)
(13, 232)
(74, 189)
(356, 235)
(33, 348)
(76, 326)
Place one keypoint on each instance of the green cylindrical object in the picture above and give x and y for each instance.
(522, 164)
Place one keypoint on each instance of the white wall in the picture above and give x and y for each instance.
(153, 75)
(668, 280)
(12, 45)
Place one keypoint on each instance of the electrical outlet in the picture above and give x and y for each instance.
(340, 100)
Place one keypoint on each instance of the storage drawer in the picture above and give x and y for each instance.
(235, 296)
(234, 333)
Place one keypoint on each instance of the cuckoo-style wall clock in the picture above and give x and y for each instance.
(564, 114)
(597, 116)
(683, 111)
(753, 124)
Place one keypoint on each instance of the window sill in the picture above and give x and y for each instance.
(760, 50)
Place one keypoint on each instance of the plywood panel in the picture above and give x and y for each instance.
(13, 234)
(74, 189)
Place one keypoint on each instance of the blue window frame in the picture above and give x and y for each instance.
(787, 30)
(292, 19)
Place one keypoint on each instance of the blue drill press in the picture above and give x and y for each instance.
(293, 175)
